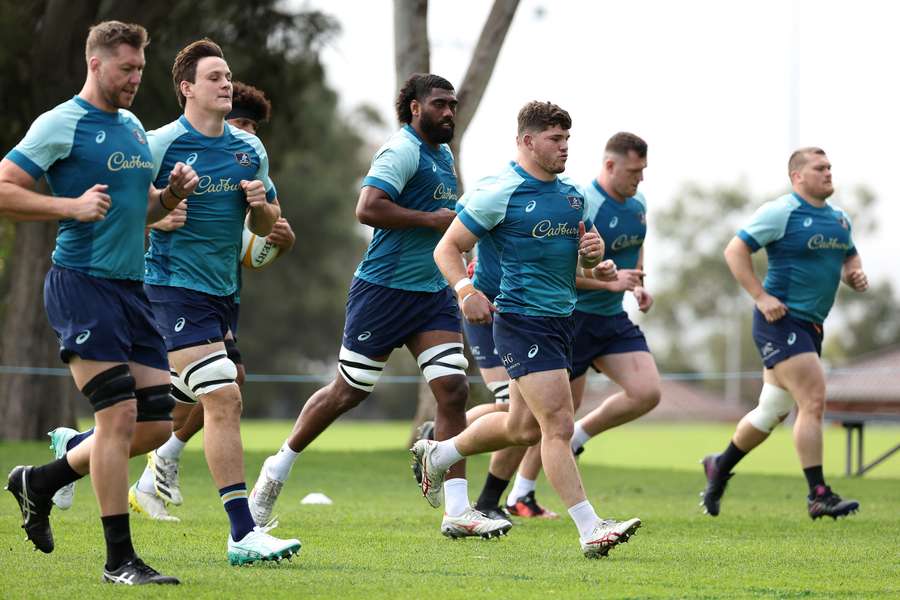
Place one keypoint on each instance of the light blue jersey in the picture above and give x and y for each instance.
(78, 146)
(623, 226)
(806, 247)
(487, 264)
(204, 254)
(417, 177)
(534, 225)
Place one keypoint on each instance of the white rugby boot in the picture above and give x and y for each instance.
(474, 523)
(607, 534)
(149, 505)
(263, 496)
(59, 437)
(259, 545)
(165, 478)
(432, 483)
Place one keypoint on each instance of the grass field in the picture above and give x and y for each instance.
(381, 540)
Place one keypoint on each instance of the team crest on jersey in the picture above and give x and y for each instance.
(575, 202)
(242, 159)
(139, 136)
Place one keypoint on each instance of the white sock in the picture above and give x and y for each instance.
(456, 496)
(172, 448)
(446, 455)
(145, 483)
(584, 516)
(580, 437)
(279, 466)
(520, 488)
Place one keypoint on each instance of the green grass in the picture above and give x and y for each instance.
(381, 540)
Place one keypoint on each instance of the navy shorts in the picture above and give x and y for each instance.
(188, 317)
(597, 335)
(533, 344)
(233, 319)
(102, 319)
(786, 337)
(480, 337)
(380, 319)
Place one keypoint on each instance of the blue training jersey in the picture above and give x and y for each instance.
(534, 226)
(806, 247)
(487, 264)
(623, 226)
(77, 146)
(204, 254)
(418, 177)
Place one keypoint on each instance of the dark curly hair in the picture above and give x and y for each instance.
(418, 87)
(539, 116)
(250, 101)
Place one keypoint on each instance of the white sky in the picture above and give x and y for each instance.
(707, 83)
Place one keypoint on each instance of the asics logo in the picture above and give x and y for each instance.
(83, 337)
(364, 336)
(532, 352)
(191, 159)
(613, 222)
(179, 324)
(791, 339)
(807, 221)
(101, 137)
(530, 206)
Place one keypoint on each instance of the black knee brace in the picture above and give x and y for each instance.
(154, 403)
(109, 387)
(233, 353)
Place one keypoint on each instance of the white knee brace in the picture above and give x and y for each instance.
(500, 389)
(181, 392)
(443, 360)
(359, 371)
(210, 373)
(775, 404)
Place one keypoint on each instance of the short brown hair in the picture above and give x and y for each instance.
(250, 101)
(185, 66)
(539, 116)
(801, 156)
(109, 34)
(623, 142)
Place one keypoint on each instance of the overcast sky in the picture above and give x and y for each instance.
(722, 91)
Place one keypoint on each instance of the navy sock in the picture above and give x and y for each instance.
(117, 533)
(77, 439)
(234, 497)
(728, 459)
(814, 477)
(46, 479)
(491, 492)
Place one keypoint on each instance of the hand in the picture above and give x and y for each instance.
(644, 299)
(607, 271)
(183, 180)
(590, 246)
(91, 205)
(282, 235)
(174, 220)
(771, 307)
(441, 218)
(477, 308)
(255, 192)
(857, 280)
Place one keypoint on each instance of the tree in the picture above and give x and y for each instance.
(313, 156)
(411, 55)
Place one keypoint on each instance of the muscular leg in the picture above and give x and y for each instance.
(636, 373)
(803, 377)
(323, 408)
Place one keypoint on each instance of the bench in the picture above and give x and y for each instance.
(853, 416)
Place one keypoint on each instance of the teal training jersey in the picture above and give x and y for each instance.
(623, 226)
(418, 177)
(806, 247)
(204, 254)
(534, 225)
(77, 146)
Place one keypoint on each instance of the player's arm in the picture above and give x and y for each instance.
(853, 275)
(448, 256)
(19, 201)
(182, 183)
(740, 262)
(643, 297)
(263, 213)
(376, 209)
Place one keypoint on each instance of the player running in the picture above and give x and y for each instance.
(810, 250)
(99, 165)
(399, 298)
(542, 226)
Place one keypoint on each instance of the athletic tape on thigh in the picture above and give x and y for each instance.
(442, 360)
(154, 403)
(181, 392)
(210, 373)
(109, 387)
(500, 389)
(359, 371)
(775, 404)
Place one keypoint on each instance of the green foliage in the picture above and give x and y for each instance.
(381, 540)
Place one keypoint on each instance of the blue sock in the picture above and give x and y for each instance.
(77, 439)
(234, 497)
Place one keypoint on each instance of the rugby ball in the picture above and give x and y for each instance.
(256, 251)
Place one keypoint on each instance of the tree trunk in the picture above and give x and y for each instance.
(411, 53)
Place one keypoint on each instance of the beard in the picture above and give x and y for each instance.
(435, 130)
(551, 165)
